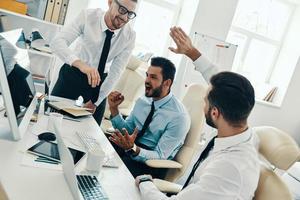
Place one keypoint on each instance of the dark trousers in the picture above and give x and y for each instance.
(138, 168)
(72, 83)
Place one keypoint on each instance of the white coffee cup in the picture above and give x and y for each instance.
(95, 159)
(54, 118)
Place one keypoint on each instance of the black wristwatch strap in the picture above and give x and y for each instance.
(145, 179)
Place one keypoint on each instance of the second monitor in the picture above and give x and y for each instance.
(16, 83)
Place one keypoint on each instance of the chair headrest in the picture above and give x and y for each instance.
(277, 147)
(135, 63)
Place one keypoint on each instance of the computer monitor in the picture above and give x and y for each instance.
(17, 87)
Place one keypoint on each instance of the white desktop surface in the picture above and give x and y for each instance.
(29, 183)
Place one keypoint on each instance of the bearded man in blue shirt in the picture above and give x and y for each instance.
(156, 127)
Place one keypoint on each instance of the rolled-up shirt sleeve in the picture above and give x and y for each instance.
(119, 123)
(205, 67)
(169, 143)
(64, 38)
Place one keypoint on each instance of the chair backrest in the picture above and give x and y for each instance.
(194, 103)
(131, 84)
(280, 151)
(3, 195)
(277, 147)
(271, 187)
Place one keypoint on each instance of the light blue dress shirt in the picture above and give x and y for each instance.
(166, 132)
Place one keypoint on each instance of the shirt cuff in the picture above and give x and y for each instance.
(100, 98)
(116, 120)
(147, 186)
(202, 63)
(142, 157)
(71, 59)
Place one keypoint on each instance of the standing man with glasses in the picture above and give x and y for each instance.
(101, 38)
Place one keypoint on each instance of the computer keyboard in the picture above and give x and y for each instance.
(90, 188)
(90, 143)
(87, 141)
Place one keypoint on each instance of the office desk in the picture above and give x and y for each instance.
(28, 183)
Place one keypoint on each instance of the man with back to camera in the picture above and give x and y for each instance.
(103, 37)
(156, 127)
(228, 167)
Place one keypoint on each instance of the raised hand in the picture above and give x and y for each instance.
(183, 44)
(115, 99)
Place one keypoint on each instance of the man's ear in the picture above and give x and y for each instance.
(168, 83)
(215, 113)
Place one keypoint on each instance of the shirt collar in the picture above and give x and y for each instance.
(162, 101)
(104, 26)
(226, 142)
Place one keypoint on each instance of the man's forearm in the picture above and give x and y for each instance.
(114, 111)
(78, 64)
(193, 54)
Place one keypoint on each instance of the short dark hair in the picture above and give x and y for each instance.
(233, 95)
(168, 69)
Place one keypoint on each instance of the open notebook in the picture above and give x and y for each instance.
(70, 109)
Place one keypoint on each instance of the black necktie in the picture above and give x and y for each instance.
(147, 121)
(202, 157)
(105, 52)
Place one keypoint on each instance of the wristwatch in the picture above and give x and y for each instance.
(132, 150)
(145, 178)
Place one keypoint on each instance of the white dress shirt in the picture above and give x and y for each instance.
(230, 172)
(206, 67)
(89, 30)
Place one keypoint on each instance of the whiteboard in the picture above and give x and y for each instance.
(219, 52)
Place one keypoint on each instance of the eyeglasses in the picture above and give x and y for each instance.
(123, 11)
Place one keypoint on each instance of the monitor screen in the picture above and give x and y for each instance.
(16, 63)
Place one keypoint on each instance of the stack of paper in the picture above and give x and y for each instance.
(70, 108)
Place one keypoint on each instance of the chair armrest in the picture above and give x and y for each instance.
(166, 186)
(169, 164)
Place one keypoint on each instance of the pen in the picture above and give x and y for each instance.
(222, 46)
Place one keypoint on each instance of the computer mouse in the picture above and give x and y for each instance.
(47, 136)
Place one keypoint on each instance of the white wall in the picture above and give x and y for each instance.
(287, 117)
(74, 8)
(214, 18)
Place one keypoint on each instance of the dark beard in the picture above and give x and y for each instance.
(156, 92)
(208, 118)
